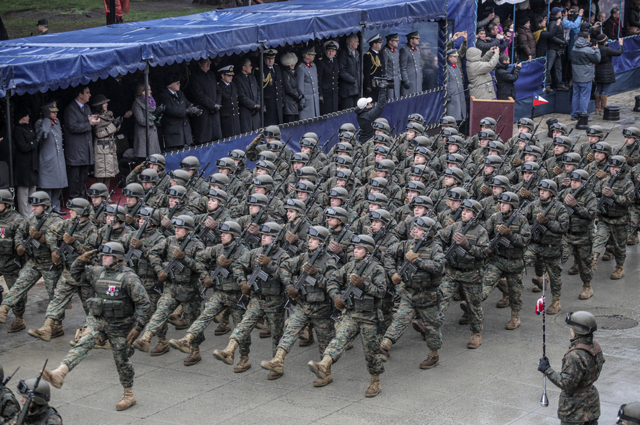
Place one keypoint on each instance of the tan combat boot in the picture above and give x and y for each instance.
(374, 386)
(175, 317)
(475, 341)
(56, 376)
(57, 330)
(143, 342)
(608, 255)
(260, 323)
(277, 363)
(515, 320)
(594, 264)
(243, 365)
(224, 326)
(4, 312)
(431, 361)
(618, 273)
(587, 291)
(306, 337)
(322, 370)
(102, 344)
(504, 301)
(128, 399)
(181, 324)
(385, 346)
(228, 353)
(555, 305)
(574, 270)
(161, 347)
(44, 333)
(80, 332)
(17, 325)
(194, 355)
(266, 330)
(183, 344)
(633, 239)
(418, 326)
(537, 284)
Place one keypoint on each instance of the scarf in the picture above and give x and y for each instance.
(152, 101)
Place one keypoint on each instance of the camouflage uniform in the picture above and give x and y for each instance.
(101, 325)
(388, 302)
(44, 415)
(580, 234)
(302, 235)
(217, 215)
(10, 263)
(314, 307)
(363, 316)
(418, 293)
(132, 177)
(634, 209)
(579, 400)
(9, 406)
(164, 212)
(345, 242)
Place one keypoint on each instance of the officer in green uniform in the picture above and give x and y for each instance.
(581, 366)
(117, 312)
(40, 413)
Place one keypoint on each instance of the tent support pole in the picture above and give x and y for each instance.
(146, 108)
(9, 139)
(262, 65)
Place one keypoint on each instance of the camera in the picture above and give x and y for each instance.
(382, 82)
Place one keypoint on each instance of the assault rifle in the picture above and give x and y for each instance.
(138, 235)
(538, 230)
(206, 234)
(321, 148)
(143, 201)
(31, 394)
(280, 153)
(577, 192)
(219, 270)
(353, 292)
(8, 378)
(408, 267)
(605, 201)
(30, 242)
(253, 239)
(457, 249)
(175, 264)
(341, 236)
(102, 205)
(65, 249)
(499, 240)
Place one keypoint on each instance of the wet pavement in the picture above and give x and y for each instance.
(495, 384)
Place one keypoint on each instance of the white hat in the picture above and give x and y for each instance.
(289, 59)
(364, 101)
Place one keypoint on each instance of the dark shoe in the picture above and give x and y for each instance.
(306, 342)
(265, 332)
(161, 348)
(181, 324)
(563, 88)
(574, 270)
(431, 361)
(549, 90)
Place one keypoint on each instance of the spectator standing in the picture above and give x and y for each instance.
(43, 27)
(292, 94)
(272, 89)
(307, 74)
(556, 44)
(605, 74)
(104, 149)
(543, 37)
(410, 66)
(248, 97)
(392, 63)
(78, 141)
(350, 72)
(328, 77)
(571, 24)
(229, 113)
(479, 69)
(457, 105)
(141, 147)
(526, 41)
(583, 60)
(367, 113)
(25, 161)
(633, 19)
(484, 42)
(505, 79)
(203, 90)
(52, 168)
(175, 123)
(373, 66)
(611, 26)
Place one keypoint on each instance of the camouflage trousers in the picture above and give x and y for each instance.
(538, 257)
(303, 314)
(617, 234)
(493, 272)
(19, 306)
(388, 308)
(149, 284)
(566, 251)
(28, 277)
(65, 289)
(471, 290)
(113, 330)
(349, 325)
(218, 302)
(634, 218)
(583, 256)
(423, 304)
(166, 305)
(273, 308)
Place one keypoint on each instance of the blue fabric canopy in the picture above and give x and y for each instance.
(67, 59)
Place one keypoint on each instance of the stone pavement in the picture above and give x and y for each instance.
(496, 384)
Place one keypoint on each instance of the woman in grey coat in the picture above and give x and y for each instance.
(142, 149)
(308, 83)
(52, 177)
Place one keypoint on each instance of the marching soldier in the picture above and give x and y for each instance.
(191, 165)
(240, 159)
(40, 412)
(98, 192)
(216, 214)
(176, 206)
(391, 57)
(154, 162)
(373, 66)
(117, 312)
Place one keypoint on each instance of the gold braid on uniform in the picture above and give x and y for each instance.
(375, 61)
(268, 81)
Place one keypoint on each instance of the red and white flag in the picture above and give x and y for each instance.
(540, 305)
(539, 100)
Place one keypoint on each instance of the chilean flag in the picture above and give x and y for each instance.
(539, 100)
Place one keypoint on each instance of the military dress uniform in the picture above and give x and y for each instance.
(392, 66)
(328, 76)
(10, 261)
(229, 113)
(307, 74)
(410, 68)
(272, 91)
(373, 65)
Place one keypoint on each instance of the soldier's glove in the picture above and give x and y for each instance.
(291, 238)
(608, 192)
(131, 220)
(504, 230)
(542, 219)
(165, 222)
(460, 239)
(263, 260)
(373, 174)
(448, 203)
(356, 280)
(524, 193)
(292, 292)
(210, 223)
(406, 85)
(601, 174)
(411, 256)
(366, 230)
(449, 222)
(95, 221)
(133, 335)
(139, 168)
(86, 257)
(396, 279)
(35, 234)
(208, 282)
(557, 170)
(407, 201)
(497, 208)
(179, 254)
(570, 200)
(54, 257)
(516, 162)
(309, 269)
(246, 289)
(544, 364)
(136, 243)
(20, 250)
(335, 247)
(254, 229)
(162, 276)
(68, 239)
(257, 140)
(291, 188)
(591, 157)
(566, 181)
(629, 159)
(224, 261)
(339, 303)
(486, 190)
